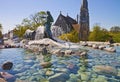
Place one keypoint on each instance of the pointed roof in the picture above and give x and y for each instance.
(60, 18)
(71, 20)
(67, 19)
(84, 4)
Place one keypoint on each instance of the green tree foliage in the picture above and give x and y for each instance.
(72, 36)
(0, 27)
(1, 36)
(38, 18)
(115, 33)
(1, 31)
(115, 36)
(20, 30)
(27, 23)
(99, 34)
(30, 23)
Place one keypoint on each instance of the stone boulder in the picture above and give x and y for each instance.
(84, 44)
(95, 46)
(105, 69)
(57, 51)
(110, 49)
(101, 47)
(49, 72)
(59, 77)
(83, 54)
(68, 52)
(48, 42)
(46, 64)
(100, 79)
(29, 34)
(89, 45)
(7, 66)
(84, 76)
(63, 70)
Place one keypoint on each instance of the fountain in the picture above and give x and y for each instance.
(39, 33)
(44, 31)
(56, 31)
(65, 61)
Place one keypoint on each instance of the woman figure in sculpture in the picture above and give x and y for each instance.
(48, 23)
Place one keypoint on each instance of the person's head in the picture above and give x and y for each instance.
(48, 12)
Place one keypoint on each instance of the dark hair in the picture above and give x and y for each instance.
(48, 12)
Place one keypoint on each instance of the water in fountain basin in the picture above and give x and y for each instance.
(66, 69)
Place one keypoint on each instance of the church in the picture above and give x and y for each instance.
(67, 24)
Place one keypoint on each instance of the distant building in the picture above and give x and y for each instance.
(1, 41)
(84, 21)
(65, 23)
(10, 37)
(10, 34)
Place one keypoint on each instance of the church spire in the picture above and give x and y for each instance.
(84, 21)
(84, 4)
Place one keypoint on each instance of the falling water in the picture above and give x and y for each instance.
(67, 43)
(40, 33)
(56, 31)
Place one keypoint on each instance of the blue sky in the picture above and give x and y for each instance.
(104, 12)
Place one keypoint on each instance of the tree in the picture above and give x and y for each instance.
(30, 23)
(1, 31)
(94, 35)
(38, 18)
(72, 36)
(115, 36)
(0, 27)
(99, 34)
(20, 30)
(26, 22)
(1, 36)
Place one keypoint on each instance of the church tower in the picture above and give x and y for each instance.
(84, 21)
